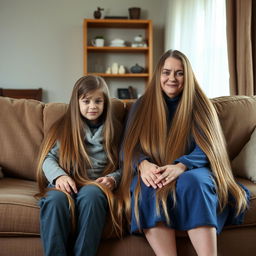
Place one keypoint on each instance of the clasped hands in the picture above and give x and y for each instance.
(159, 176)
(66, 184)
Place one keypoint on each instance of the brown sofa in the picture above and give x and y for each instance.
(23, 124)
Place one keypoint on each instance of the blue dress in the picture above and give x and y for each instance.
(196, 202)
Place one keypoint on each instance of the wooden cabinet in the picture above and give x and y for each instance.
(98, 59)
(35, 94)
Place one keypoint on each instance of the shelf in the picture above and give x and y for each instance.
(117, 23)
(101, 58)
(130, 75)
(117, 49)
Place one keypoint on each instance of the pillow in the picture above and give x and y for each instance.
(1, 173)
(244, 164)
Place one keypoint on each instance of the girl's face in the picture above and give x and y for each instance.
(92, 105)
(172, 77)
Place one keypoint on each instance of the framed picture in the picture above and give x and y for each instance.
(123, 93)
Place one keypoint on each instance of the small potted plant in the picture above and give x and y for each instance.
(99, 37)
(98, 41)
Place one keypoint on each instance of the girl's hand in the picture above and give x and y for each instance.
(109, 182)
(66, 184)
(170, 173)
(149, 174)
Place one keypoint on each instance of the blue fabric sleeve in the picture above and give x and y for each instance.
(141, 157)
(195, 159)
(51, 167)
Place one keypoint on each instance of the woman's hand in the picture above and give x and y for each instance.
(109, 182)
(66, 184)
(170, 173)
(149, 174)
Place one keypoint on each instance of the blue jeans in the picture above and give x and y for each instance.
(91, 208)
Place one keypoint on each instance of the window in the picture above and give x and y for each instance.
(198, 29)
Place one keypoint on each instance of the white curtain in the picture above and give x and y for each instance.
(198, 29)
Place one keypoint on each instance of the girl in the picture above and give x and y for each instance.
(176, 170)
(78, 169)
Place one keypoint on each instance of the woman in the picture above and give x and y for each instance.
(176, 170)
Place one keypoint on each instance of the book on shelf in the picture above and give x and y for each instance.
(127, 93)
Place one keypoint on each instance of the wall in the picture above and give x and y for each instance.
(41, 41)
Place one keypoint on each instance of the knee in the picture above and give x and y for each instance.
(55, 199)
(193, 180)
(146, 194)
(91, 195)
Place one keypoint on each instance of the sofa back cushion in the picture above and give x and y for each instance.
(24, 123)
(23, 126)
(21, 133)
(53, 111)
(237, 116)
(244, 164)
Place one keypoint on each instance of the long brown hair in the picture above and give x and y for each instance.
(69, 132)
(196, 116)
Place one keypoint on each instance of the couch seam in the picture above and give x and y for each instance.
(11, 234)
(26, 205)
(234, 99)
(240, 226)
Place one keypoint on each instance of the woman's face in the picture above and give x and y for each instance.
(172, 77)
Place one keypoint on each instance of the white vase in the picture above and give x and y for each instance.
(121, 69)
(108, 71)
(114, 68)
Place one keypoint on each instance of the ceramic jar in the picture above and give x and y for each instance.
(137, 69)
(114, 68)
(121, 69)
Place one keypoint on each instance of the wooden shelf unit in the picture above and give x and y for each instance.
(118, 49)
(105, 24)
(121, 75)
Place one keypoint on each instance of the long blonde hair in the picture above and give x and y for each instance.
(196, 116)
(69, 132)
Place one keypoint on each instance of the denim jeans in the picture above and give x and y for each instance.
(55, 227)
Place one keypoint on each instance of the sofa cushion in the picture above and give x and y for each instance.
(21, 134)
(23, 126)
(119, 109)
(18, 207)
(237, 116)
(244, 165)
(250, 216)
(237, 128)
(20, 211)
(53, 111)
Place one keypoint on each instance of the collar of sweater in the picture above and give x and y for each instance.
(172, 101)
(94, 135)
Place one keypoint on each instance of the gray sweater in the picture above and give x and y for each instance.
(95, 150)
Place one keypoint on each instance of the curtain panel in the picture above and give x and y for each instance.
(198, 29)
(241, 46)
